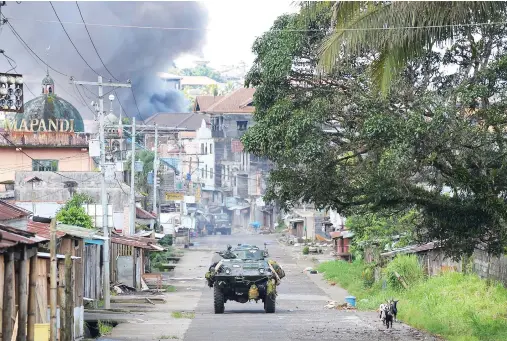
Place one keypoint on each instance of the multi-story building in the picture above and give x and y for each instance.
(239, 176)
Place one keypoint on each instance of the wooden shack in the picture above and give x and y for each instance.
(18, 270)
(84, 247)
(342, 240)
(130, 258)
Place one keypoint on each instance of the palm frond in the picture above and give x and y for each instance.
(410, 28)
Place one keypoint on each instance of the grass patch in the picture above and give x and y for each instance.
(169, 288)
(182, 315)
(455, 306)
(168, 337)
(104, 328)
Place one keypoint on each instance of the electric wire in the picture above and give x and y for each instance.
(137, 107)
(34, 160)
(163, 28)
(14, 68)
(93, 44)
(68, 36)
(16, 34)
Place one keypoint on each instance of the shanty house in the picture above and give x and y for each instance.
(18, 276)
(130, 258)
(14, 216)
(84, 245)
(342, 240)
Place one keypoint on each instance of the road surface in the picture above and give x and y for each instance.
(300, 312)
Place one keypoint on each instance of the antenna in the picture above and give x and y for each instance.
(47, 59)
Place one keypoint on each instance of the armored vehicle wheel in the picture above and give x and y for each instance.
(219, 300)
(270, 304)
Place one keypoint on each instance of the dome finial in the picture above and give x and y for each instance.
(48, 85)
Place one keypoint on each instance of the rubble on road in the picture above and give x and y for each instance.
(335, 305)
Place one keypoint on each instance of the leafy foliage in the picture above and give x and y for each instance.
(203, 70)
(434, 145)
(358, 25)
(408, 267)
(76, 216)
(141, 178)
(72, 213)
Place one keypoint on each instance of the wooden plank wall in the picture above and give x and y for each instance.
(92, 272)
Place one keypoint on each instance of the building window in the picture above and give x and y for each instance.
(206, 149)
(211, 173)
(45, 165)
(202, 148)
(206, 170)
(202, 173)
(242, 125)
(211, 148)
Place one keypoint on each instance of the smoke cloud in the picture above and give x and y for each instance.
(129, 53)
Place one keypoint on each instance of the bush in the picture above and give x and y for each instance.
(406, 266)
(306, 250)
(167, 240)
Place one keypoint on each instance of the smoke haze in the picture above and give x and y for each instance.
(129, 53)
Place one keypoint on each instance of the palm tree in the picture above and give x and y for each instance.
(397, 30)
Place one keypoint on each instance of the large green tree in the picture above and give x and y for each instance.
(397, 31)
(434, 144)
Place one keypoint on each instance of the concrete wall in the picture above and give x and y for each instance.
(53, 187)
(69, 160)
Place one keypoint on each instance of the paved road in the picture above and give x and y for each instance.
(300, 311)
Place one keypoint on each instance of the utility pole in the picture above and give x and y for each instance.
(155, 175)
(132, 224)
(105, 228)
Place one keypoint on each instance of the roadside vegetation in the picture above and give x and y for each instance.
(456, 306)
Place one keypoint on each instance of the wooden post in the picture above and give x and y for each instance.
(69, 301)
(62, 302)
(9, 290)
(32, 293)
(2, 269)
(52, 289)
(23, 296)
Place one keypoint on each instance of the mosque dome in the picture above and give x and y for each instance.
(49, 106)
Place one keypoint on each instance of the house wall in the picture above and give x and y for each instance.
(52, 187)
(70, 160)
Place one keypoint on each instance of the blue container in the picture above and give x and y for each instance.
(351, 300)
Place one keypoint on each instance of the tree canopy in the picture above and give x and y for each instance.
(203, 70)
(434, 144)
(397, 31)
(72, 213)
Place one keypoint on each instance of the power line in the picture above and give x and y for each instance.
(16, 34)
(79, 53)
(14, 68)
(274, 30)
(135, 101)
(93, 44)
(36, 161)
(121, 106)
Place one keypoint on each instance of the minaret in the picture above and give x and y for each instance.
(48, 85)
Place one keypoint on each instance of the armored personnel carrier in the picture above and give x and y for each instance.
(244, 274)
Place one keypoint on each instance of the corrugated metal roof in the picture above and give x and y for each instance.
(77, 231)
(42, 230)
(12, 237)
(412, 249)
(10, 211)
(143, 214)
(139, 242)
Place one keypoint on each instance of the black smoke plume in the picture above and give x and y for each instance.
(137, 54)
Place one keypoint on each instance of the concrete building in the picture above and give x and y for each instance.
(239, 176)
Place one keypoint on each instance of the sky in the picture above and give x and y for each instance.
(233, 27)
(131, 44)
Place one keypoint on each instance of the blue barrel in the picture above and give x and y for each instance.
(351, 300)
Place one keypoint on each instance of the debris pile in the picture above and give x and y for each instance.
(335, 305)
